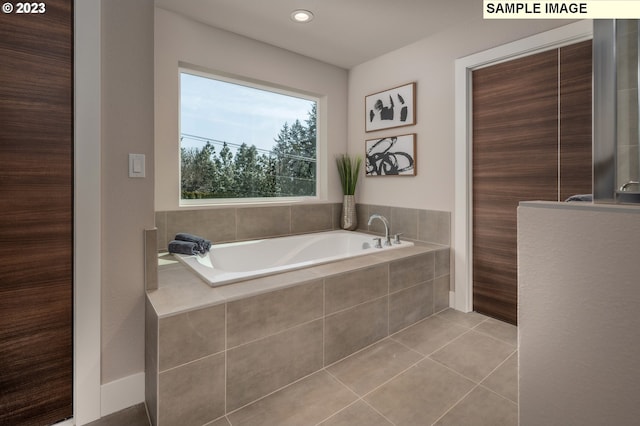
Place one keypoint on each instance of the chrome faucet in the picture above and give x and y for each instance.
(387, 237)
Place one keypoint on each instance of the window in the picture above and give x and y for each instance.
(241, 141)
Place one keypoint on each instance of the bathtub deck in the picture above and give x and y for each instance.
(180, 290)
(211, 351)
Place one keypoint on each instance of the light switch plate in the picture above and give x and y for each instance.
(136, 166)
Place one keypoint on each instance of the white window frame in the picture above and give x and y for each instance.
(259, 85)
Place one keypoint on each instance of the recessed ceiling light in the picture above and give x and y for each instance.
(301, 16)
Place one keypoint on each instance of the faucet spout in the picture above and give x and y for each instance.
(387, 237)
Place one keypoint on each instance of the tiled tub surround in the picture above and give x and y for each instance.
(227, 224)
(211, 351)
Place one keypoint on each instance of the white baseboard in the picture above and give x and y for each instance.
(122, 393)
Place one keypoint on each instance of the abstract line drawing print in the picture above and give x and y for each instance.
(391, 156)
(391, 108)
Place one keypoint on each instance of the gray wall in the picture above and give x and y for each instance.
(578, 316)
(179, 40)
(127, 204)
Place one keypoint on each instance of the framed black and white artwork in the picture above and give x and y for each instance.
(391, 156)
(392, 108)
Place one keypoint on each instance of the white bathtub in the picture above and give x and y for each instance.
(232, 262)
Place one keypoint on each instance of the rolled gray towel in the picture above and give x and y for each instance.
(183, 247)
(580, 197)
(203, 244)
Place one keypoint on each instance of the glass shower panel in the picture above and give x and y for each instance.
(627, 116)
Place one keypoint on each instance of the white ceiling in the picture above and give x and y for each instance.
(343, 33)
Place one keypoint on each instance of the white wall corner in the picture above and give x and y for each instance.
(87, 208)
(122, 393)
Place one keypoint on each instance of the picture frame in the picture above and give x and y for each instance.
(391, 156)
(391, 108)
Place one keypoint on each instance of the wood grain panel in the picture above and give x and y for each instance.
(515, 131)
(36, 225)
(575, 119)
(528, 114)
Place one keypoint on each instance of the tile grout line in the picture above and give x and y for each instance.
(278, 332)
(377, 411)
(495, 337)
(484, 333)
(423, 357)
(337, 412)
(469, 378)
(226, 311)
(496, 393)
(455, 404)
(359, 399)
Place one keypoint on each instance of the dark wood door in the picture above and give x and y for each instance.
(576, 148)
(515, 157)
(36, 206)
(531, 131)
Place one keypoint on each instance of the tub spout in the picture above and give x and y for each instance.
(387, 237)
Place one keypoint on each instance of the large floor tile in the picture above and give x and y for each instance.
(504, 380)
(222, 421)
(420, 395)
(358, 414)
(307, 402)
(132, 416)
(474, 355)
(470, 319)
(364, 371)
(429, 335)
(482, 408)
(500, 330)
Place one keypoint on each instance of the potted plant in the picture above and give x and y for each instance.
(348, 170)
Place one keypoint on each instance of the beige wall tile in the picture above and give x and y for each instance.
(151, 259)
(434, 226)
(353, 329)
(259, 222)
(411, 271)
(443, 262)
(217, 225)
(192, 394)
(191, 335)
(404, 221)
(377, 226)
(441, 287)
(311, 218)
(336, 212)
(161, 224)
(352, 288)
(266, 314)
(151, 362)
(262, 366)
(410, 305)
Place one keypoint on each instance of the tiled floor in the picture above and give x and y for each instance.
(449, 369)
